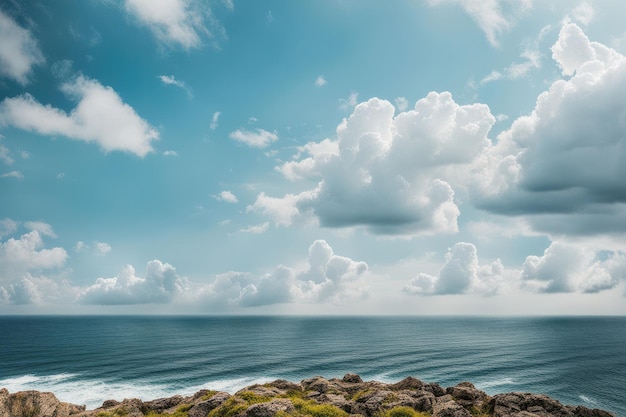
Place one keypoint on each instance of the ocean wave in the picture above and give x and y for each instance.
(495, 383)
(587, 399)
(92, 393)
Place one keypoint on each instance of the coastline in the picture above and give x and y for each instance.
(316, 397)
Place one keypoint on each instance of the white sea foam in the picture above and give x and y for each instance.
(495, 383)
(77, 390)
(587, 399)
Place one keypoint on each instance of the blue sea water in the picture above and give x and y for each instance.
(86, 360)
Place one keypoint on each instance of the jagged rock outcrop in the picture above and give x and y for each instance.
(317, 396)
(35, 404)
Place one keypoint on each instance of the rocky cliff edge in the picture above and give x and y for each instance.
(312, 397)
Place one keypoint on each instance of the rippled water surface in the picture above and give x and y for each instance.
(86, 360)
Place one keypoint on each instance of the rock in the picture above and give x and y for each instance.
(338, 401)
(407, 383)
(467, 395)
(285, 385)
(162, 404)
(317, 383)
(581, 411)
(203, 408)
(269, 409)
(35, 404)
(449, 409)
(505, 405)
(352, 378)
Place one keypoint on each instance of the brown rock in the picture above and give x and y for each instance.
(269, 409)
(352, 378)
(449, 409)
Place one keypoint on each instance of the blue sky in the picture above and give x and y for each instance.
(312, 157)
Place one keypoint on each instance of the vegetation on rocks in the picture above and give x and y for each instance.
(312, 397)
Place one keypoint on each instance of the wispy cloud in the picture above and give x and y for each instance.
(258, 138)
(256, 229)
(181, 23)
(171, 80)
(488, 14)
(347, 104)
(215, 120)
(13, 174)
(320, 81)
(19, 50)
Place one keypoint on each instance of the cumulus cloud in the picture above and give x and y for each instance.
(27, 253)
(460, 274)
(257, 138)
(490, 15)
(326, 277)
(160, 284)
(562, 165)
(227, 197)
(100, 116)
(31, 289)
(181, 23)
(392, 175)
(565, 267)
(19, 51)
(7, 227)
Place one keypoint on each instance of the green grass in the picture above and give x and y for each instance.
(313, 409)
(238, 404)
(208, 395)
(402, 411)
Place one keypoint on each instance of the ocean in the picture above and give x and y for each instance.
(86, 360)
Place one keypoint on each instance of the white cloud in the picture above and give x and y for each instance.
(215, 120)
(460, 274)
(566, 267)
(102, 248)
(19, 51)
(258, 138)
(326, 277)
(402, 103)
(561, 166)
(43, 228)
(160, 285)
(100, 116)
(31, 289)
(174, 22)
(7, 227)
(584, 13)
(227, 197)
(13, 174)
(170, 153)
(347, 104)
(257, 229)
(489, 14)
(320, 81)
(171, 80)
(27, 254)
(392, 175)
(5, 154)
(80, 246)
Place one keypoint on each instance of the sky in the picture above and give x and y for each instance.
(414, 157)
